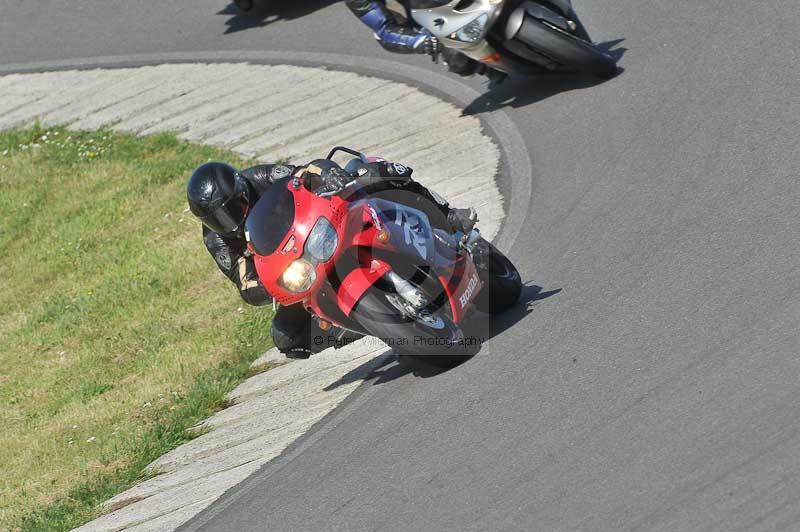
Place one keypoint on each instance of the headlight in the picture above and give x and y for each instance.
(322, 241)
(299, 276)
(473, 31)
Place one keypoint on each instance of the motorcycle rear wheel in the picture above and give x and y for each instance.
(502, 284)
(442, 345)
(564, 48)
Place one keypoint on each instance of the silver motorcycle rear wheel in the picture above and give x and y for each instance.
(565, 48)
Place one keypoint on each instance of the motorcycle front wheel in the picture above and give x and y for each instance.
(434, 339)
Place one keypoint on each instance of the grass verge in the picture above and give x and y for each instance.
(117, 332)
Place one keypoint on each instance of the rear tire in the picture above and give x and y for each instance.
(565, 48)
(443, 347)
(502, 284)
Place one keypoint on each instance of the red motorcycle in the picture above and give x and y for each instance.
(375, 267)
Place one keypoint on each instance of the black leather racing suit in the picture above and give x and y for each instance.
(293, 330)
(402, 37)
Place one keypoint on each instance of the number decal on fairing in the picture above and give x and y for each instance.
(413, 231)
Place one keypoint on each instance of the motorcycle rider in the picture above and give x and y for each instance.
(221, 197)
(399, 37)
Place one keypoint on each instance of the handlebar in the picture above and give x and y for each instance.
(354, 153)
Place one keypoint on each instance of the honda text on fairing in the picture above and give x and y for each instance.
(376, 267)
(514, 36)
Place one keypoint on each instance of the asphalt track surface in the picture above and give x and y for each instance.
(652, 380)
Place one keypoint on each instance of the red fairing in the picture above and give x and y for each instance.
(366, 241)
(461, 288)
(308, 209)
(358, 282)
(356, 229)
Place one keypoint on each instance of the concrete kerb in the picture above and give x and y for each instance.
(516, 177)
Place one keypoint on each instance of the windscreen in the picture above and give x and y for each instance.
(271, 218)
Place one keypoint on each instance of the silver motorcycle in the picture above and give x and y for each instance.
(514, 36)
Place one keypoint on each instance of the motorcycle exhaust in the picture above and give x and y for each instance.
(538, 12)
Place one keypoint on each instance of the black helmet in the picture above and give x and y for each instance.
(218, 195)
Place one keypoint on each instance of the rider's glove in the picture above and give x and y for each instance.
(400, 173)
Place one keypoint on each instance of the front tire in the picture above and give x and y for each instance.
(442, 345)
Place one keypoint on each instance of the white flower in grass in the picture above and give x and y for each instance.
(90, 440)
